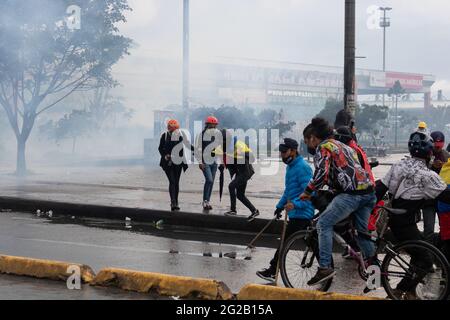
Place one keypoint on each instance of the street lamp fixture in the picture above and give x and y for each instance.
(384, 23)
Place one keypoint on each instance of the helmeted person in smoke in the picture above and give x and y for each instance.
(410, 183)
(173, 164)
(205, 152)
(238, 159)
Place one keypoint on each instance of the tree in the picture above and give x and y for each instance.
(396, 91)
(42, 61)
(367, 116)
(103, 107)
(332, 107)
(72, 126)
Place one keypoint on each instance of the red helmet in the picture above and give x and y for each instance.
(211, 120)
(173, 124)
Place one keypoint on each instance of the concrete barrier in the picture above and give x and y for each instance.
(264, 292)
(45, 269)
(167, 285)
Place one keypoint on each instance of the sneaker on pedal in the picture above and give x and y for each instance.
(267, 274)
(253, 216)
(322, 275)
(346, 253)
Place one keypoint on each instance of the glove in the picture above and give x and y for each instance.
(277, 213)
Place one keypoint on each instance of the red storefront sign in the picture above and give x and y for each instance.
(408, 81)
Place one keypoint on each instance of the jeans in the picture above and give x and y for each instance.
(173, 173)
(342, 206)
(210, 174)
(237, 189)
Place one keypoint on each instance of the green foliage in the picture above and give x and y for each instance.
(43, 61)
(236, 118)
(367, 116)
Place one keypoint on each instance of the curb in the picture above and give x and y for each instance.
(167, 285)
(197, 220)
(162, 284)
(262, 292)
(44, 269)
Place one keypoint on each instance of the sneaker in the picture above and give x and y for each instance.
(346, 253)
(231, 213)
(206, 205)
(323, 274)
(253, 216)
(402, 295)
(267, 274)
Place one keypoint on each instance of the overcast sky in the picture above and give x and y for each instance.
(308, 31)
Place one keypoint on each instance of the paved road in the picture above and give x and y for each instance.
(140, 247)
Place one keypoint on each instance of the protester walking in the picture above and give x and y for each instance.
(239, 164)
(173, 162)
(205, 146)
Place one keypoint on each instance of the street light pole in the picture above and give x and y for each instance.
(349, 56)
(384, 23)
(185, 98)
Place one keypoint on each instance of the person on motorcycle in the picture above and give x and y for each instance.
(410, 182)
(298, 174)
(337, 166)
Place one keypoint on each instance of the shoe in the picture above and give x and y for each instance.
(267, 274)
(402, 295)
(206, 205)
(346, 253)
(231, 213)
(322, 275)
(253, 216)
(373, 261)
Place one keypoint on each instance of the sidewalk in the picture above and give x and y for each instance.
(139, 191)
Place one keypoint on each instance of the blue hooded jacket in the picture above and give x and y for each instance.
(298, 175)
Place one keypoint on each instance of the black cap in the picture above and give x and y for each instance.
(288, 144)
(438, 136)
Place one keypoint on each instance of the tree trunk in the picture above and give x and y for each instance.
(21, 167)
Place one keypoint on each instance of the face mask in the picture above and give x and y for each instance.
(288, 160)
(312, 151)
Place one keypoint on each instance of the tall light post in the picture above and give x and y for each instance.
(384, 23)
(186, 59)
(349, 56)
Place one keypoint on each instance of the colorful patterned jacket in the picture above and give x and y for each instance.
(337, 166)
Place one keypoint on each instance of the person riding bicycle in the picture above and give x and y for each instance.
(298, 174)
(337, 166)
(410, 183)
(345, 135)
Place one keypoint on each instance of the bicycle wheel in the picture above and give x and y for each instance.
(415, 270)
(300, 261)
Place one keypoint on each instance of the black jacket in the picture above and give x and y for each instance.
(166, 146)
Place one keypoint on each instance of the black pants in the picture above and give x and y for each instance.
(419, 258)
(292, 227)
(237, 189)
(173, 173)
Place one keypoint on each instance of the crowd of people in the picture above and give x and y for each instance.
(418, 183)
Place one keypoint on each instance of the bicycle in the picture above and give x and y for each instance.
(409, 270)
